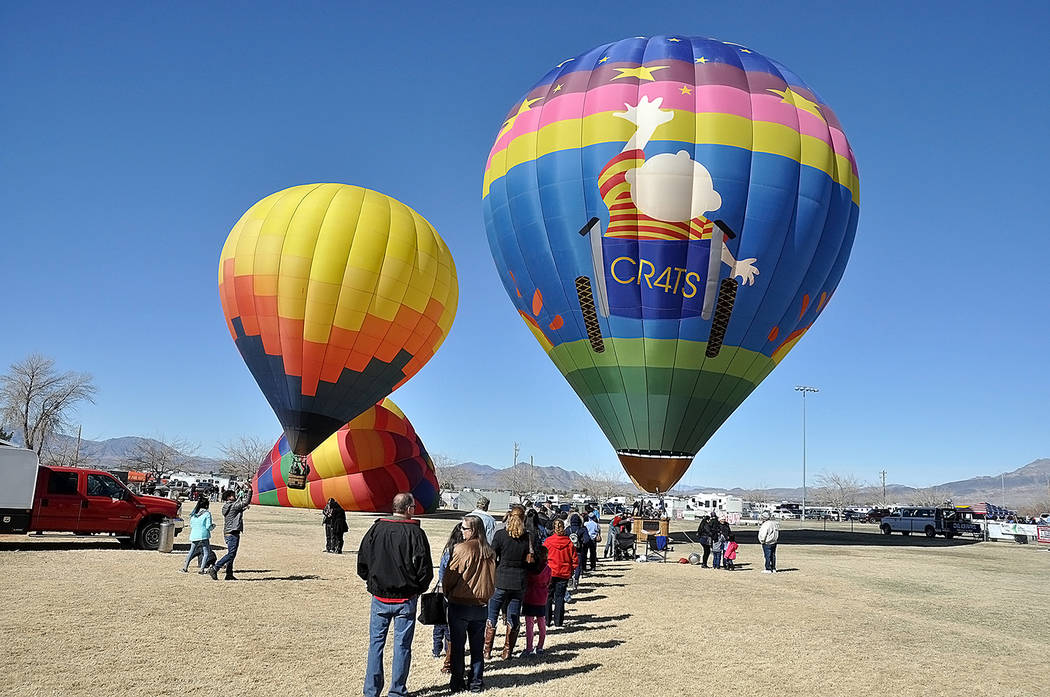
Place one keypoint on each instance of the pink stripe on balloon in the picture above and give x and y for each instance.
(705, 99)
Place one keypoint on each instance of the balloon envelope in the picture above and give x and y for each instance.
(335, 295)
(669, 215)
(363, 466)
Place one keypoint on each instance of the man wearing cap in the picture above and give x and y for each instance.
(768, 533)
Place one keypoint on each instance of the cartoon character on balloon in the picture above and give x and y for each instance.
(659, 251)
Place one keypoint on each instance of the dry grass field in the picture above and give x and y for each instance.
(851, 614)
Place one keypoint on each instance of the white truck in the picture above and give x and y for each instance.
(929, 521)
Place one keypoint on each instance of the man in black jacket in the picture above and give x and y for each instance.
(394, 560)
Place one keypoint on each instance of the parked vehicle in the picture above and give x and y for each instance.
(928, 521)
(875, 515)
(35, 498)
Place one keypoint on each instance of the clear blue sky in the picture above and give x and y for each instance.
(135, 135)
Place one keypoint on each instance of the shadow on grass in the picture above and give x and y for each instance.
(307, 577)
(516, 679)
(73, 544)
(588, 598)
(858, 538)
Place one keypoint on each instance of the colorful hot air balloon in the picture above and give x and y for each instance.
(363, 466)
(335, 295)
(669, 215)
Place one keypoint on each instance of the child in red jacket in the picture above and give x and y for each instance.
(729, 558)
(562, 560)
(535, 601)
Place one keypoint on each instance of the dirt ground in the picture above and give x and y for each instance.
(851, 613)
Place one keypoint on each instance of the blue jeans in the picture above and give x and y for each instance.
(503, 598)
(233, 541)
(440, 637)
(198, 548)
(467, 622)
(770, 553)
(556, 601)
(403, 616)
(718, 559)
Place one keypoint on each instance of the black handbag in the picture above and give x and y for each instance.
(433, 608)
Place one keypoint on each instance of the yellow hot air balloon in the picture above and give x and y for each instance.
(335, 295)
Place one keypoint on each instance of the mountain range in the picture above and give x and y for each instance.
(1027, 484)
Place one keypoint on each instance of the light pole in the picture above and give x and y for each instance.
(804, 389)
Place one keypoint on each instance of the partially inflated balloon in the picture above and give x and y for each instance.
(669, 215)
(335, 295)
(363, 466)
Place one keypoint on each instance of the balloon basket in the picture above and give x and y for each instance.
(295, 481)
(297, 473)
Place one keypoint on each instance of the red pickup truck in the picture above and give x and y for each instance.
(67, 499)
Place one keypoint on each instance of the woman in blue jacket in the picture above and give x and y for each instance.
(201, 526)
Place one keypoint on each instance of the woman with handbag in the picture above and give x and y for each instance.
(513, 548)
(441, 636)
(468, 584)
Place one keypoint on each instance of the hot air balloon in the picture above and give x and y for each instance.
(334, 295)
(363, 466)
(669, 216)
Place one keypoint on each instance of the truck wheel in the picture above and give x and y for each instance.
(930, 531)
(886, 529)
(149, 536)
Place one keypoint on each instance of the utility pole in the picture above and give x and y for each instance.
(1002, 484)
(883, 475)
(76, 456)
(517, 449)
(804, 389)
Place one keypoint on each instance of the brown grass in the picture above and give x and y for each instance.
(857, 614)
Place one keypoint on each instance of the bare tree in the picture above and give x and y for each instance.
(931, 496)
(604, 485)
(64, 452)
(519, 478)
(159, 457)
(838, 490)
(5, 435)
(442, 463)
(241, 456)
(38, 400)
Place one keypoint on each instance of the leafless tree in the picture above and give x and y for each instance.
(63, 452)
(241, 456)
(605, 485)
(160, 456)
(838, 490)
(931, 496)
(442, 463)
(519, 479)
(38, 400)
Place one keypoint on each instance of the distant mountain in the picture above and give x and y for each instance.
(1026, 484)
(113, 453)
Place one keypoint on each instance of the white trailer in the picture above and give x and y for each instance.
(18, 475)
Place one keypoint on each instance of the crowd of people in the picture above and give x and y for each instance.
(525, 567)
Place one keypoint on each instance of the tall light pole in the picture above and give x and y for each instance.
(804, 389)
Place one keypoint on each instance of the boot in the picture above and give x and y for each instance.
(508, 645)
(490, 636)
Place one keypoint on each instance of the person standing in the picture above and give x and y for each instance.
(729, 559)
(535, 601)
(563, 561)
(512, 545)
(482, 512)
(594, 535)
(705, 538)
(578, 532)
(468, 584)
(394, 561)
(233, 509)
(768, 534)
(441, 635)
(201, 526)
(334, 526)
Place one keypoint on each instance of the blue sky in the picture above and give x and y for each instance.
(135, 135)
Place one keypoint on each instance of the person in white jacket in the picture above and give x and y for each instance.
(768, 534)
